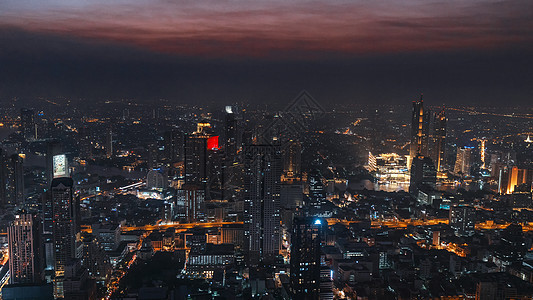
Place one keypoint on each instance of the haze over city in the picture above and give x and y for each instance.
(266, 52)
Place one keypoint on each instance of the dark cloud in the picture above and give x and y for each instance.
(35, 65)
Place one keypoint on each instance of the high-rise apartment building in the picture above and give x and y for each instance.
(306, 240)
(196, 155)
(463, 161)
(25, 250)
(262, 175)
(64, 228)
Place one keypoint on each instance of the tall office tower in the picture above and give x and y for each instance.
(27, 124)
(14, 180)
(48, 232)
(262, 175)
(292, 159)
(25, 250)
(195, 159)
(231, 134)
(305, 265)
(173, 145)
(64, 228)
(317, 190)
(215, 170)
(196, 154)
(423, 174)
(419, 130)
(463, 161)
(463, 219)
(439, 140)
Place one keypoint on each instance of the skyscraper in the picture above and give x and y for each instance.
(463, 161)
(438, 146)
(292, 159)
(25, 250)
(232, 135)
(12, 179)
(306, 242)
(512, 179)
(419, 130)
(196, 155)
(173, 145)
(262, 195)
(423, 174)
(64, 223)
(27, 124)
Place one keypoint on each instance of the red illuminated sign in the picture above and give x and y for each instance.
(212, 143)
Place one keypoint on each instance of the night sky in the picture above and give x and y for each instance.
(455, 52)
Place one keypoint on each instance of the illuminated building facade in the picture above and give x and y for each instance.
(389, 168)
(191, 199)
(292, 159)
(419, 129)
(306, 241)
(513, 179)
(317, 190)
(25, 250)
(262, 176)
(463, 162)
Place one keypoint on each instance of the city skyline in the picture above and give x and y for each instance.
(270, 150)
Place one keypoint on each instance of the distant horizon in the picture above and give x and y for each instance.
(478, 52)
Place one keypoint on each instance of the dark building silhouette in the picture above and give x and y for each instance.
(11, 179)
(196, 155)
(305, 265)
(64, 228)
(27, 124)
(423, 174)
(232, 135)
(173, 140)
(438, 145)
